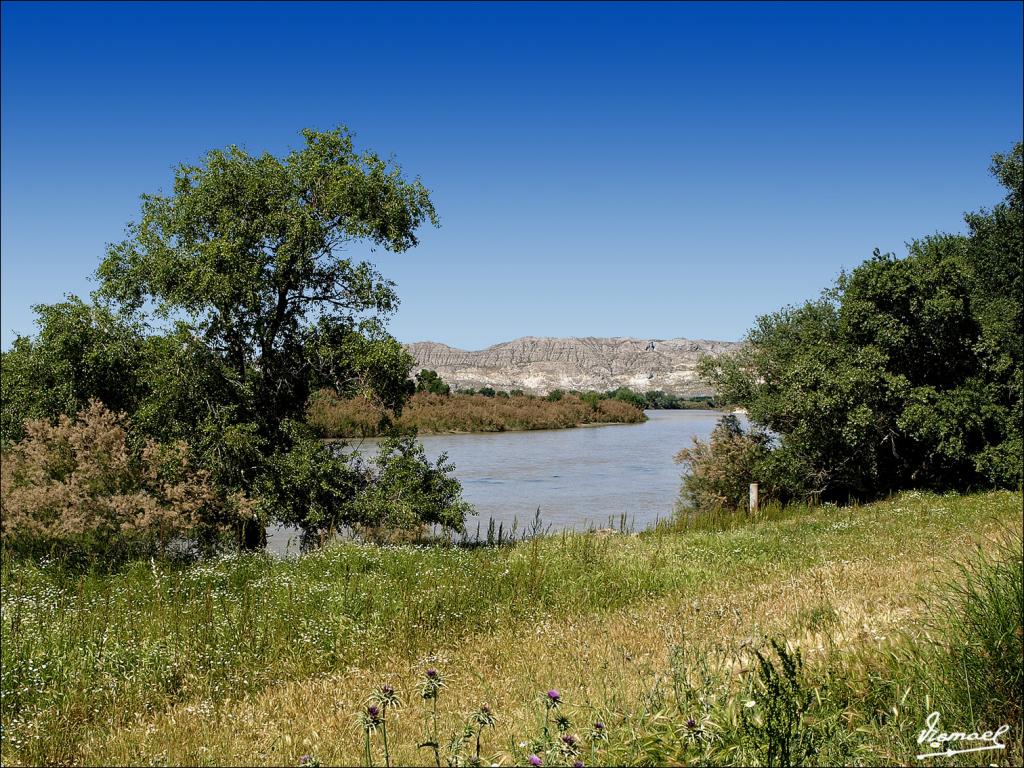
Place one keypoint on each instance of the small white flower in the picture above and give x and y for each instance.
(750, 703)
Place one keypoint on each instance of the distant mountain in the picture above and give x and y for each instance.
(540, 365)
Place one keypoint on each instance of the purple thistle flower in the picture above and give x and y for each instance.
(569, 740)
(305, 759)
(554, 695)
(373, 711)
(431, 674)
(578, 764)
(691, 723)
(535, 760)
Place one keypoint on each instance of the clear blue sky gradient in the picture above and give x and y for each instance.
(608, 170)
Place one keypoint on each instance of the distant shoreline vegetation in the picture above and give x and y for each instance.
(435, 408)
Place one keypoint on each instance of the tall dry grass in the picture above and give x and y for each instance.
(82, 487)
(429, 413)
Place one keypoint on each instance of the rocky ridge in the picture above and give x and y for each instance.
(539, 365)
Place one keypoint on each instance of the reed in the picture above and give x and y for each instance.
(430, 413)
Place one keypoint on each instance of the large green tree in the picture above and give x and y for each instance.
(246, 256)
(906, 374)
(248, 250)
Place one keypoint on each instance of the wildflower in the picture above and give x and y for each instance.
(563, 723)
(578, 764)
(385, 697)
(554, 698)
(598, 733)
(370, 718)
(691, 724)
(535, 760)
(569, 740)
(484, 716)
(431, 684)
(750, 703)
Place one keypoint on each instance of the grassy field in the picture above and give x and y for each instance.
(437, 414)
(254, 660)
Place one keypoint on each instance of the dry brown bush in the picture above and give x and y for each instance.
(80, 486)
(720, 469)
(357, 417)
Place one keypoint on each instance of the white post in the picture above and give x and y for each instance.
(753, 498)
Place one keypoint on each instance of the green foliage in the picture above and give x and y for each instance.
(972, 663)
(486, 391)
(313, 487)
(555, 395)
(775, 726)
(906, 374)
(406, 491)
(245, 251)
(429, 381)
(82, 352)
(656, 399)
(627, 395)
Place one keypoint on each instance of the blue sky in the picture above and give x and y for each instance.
(635, 170)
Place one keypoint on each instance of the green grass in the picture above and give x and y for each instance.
(88, 655)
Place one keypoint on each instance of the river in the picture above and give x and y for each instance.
(578, 478)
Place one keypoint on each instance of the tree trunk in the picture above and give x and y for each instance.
(253, 536)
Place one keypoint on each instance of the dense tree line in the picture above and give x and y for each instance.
(907, 373)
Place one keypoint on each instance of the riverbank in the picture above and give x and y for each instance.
(252, 660)
(457, 413)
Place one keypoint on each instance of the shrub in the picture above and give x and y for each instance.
(313, 486)
(356, 417)
(429, 381)
(721, 469)
(82, 488)
(777, 731)
(625, 394)
(406, 491)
